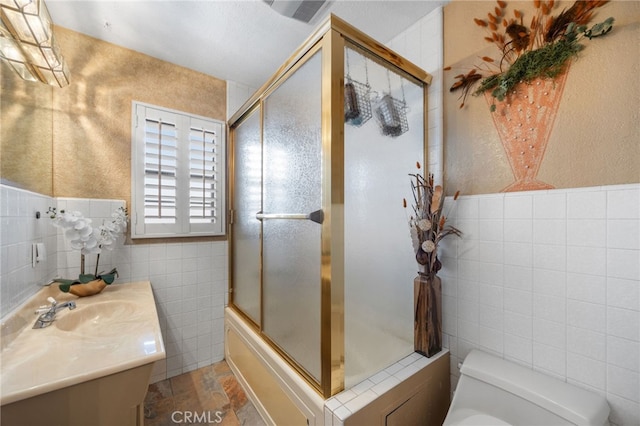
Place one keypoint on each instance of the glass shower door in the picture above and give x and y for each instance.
(292, 150)
(247, 201)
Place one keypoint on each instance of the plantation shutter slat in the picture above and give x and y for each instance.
(160, 168)
(203, 143)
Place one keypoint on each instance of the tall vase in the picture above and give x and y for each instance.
(524, 120)
(427, 324)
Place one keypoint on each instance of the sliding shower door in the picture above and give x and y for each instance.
(247, 177)
(321, 252)
(292, 149)
(278, 218)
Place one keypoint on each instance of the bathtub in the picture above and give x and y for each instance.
(414, 388)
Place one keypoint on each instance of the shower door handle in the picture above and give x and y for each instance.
(316, 216)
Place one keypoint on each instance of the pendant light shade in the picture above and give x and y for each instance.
(28, 44)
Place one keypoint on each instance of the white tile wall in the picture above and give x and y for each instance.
(189, 279)
(549, 279)
(422, 44)
(560, 291)
(237, 95)
(19, 229)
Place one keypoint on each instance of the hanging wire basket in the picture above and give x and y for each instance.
(391, 115)
(357, 102)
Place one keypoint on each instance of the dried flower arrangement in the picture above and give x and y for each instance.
(427, 223)
(541, 49)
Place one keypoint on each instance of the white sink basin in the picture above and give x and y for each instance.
(99, 319)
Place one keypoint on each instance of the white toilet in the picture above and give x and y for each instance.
(492, 392)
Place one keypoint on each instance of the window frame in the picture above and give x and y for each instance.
(183, 227)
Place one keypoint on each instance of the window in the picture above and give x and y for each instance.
(177, 174)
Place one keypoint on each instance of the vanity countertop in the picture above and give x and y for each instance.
(110, 332)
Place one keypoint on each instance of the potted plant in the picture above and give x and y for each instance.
(89, 240)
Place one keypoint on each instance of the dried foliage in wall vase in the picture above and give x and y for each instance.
(524, 86)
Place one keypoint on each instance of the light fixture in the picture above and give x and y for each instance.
(27, 42)
(10, 52)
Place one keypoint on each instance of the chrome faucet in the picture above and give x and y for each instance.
(48, 313)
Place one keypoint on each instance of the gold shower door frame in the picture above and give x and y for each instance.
(330, 38)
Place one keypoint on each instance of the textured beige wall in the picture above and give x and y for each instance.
(595, 137)
(25, 133)
(92, 116)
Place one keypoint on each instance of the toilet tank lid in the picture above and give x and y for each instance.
(572, 403)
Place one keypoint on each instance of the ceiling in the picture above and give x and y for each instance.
(241, 40)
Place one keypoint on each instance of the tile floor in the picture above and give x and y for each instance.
(209, 395)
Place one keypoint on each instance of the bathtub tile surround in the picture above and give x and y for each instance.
(340, 407)
(550, 280)
(189, 280)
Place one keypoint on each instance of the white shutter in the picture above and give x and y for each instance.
(203, 172)
(178, 173)
(160, 168)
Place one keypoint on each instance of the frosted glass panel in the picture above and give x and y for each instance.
(246, 228)
(379, 260)
(291, 248)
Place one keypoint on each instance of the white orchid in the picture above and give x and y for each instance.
(84, 237)
(77, 229)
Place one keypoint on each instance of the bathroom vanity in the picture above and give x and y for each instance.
(90, 366)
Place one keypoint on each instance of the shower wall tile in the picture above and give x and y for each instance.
(237, 95)
(422, 44)
(551, 280)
